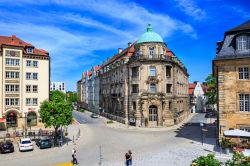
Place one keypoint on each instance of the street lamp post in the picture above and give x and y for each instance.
(25, 123)
(201, 124)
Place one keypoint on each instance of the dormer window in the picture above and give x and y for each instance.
(243, 43)
(30, 50)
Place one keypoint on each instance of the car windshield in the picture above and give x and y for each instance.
(45, 141)
(26, 142)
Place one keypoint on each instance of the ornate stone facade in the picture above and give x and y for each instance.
(144, 84)
(231, 67)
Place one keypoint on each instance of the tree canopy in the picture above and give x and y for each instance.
(57, 111)
(212, 90)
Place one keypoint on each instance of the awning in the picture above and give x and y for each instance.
(236, 133)
(2, 120)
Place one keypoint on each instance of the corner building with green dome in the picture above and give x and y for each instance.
(144, 85)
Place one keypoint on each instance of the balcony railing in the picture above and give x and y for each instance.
(153, 57)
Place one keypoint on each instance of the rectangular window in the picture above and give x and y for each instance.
(244, 103)
(12, 88)
(169, 88)
(35, 76)
(17, 88)
(7, 88)
(28, 88)
(168, 71)
(35, 101)
(243, 73)
(7, 61)
(28, 101)
(35, 88)
(152, 88)
(135, 72)
(29, 50)
(12, 101)
(134, 105)
(17, 62)
(11, 74)
(16, 101)
(151, 52)
(35, 63)
(28, 63)
(28, 76)
(152, 71)
(135, 88)
(242, 43)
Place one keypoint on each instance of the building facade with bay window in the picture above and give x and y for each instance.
(24, 82)
(231, 67)
(143, 85)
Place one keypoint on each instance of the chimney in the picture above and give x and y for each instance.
(129, 44)
(119, 50)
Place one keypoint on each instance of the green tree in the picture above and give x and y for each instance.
(211, 94)
(56, 112)
(71, 97)
(208, 160)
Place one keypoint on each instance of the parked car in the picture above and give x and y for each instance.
(94, 115)
(6, 147)
(25, 144)
(43, 143)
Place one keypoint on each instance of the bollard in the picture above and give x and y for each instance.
(73, 139)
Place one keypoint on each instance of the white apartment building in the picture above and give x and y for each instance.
(58, 86)
(24, 82)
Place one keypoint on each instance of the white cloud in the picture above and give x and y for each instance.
(72, 49)
(191, 9)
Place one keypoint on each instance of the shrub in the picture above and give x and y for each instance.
(238, 160)
(208, 160)
(109, 122)
(225, 142)
(81, 110)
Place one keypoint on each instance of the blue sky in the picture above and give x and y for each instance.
(80, 34)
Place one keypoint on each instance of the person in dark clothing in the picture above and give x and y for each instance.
(130, 157)
(127, 157)
(74, 161)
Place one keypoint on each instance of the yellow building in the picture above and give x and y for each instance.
(24, 82)
(231, 67)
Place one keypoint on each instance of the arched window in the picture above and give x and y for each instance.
(152, 71)
(31, 119)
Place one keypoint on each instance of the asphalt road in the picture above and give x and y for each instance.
(110, 144)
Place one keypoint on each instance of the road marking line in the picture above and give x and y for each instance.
(64, 164)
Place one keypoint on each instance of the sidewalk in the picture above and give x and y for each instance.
(118, 125)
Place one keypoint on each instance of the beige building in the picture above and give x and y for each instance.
(144, 84)
(231, 67)
(24, 82)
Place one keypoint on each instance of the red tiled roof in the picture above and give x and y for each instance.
(89, 73)
(96, 68)
(169, 52)
(15, 41)
(191, 88)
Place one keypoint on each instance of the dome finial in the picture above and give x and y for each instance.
(149, 28)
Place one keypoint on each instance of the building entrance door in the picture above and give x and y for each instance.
(153, 116)
(11, 120)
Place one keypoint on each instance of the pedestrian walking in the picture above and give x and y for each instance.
(74, 161)
(130, 157)
(127, 157)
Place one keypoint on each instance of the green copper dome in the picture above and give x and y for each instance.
(150, 36)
